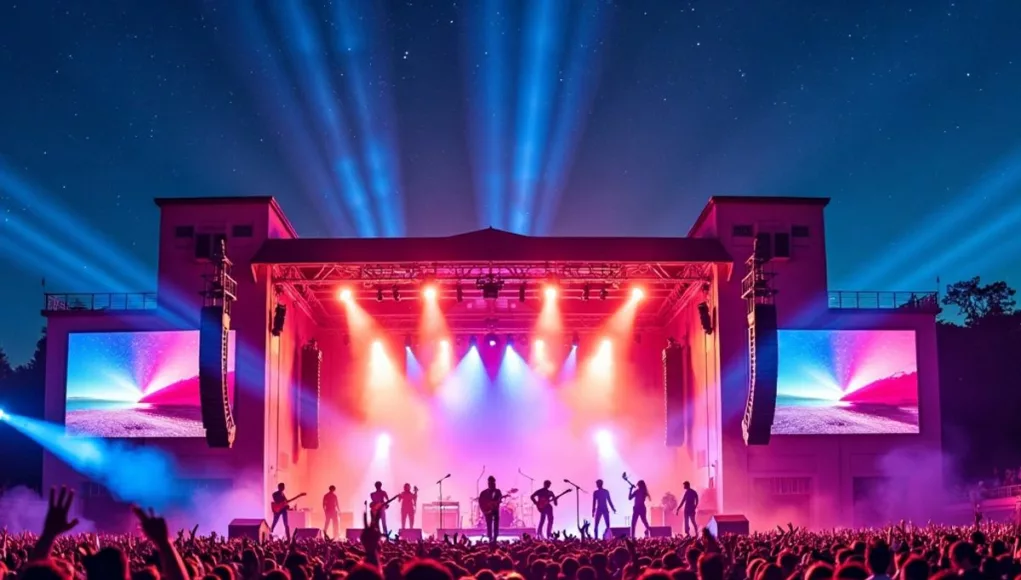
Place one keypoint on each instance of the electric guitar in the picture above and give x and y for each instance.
(377, 507)
(628, 481)
(488, 506)
(279, 506)
(543, 503)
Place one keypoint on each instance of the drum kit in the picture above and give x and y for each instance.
(509, 513)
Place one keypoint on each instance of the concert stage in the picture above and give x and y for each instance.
(438, 362)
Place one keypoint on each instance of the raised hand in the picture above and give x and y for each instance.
(153, 526)
(56, 522)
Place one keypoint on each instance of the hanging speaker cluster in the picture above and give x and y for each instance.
(309, 395)
(763, 360)
(214, 336)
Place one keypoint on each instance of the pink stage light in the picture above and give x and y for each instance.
(539, 345)
(429, 293)
(637, 294)
(345, 295)
(445, 346)
(551, 293)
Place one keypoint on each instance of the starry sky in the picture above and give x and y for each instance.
(907, 114)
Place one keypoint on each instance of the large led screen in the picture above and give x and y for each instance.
(136, 384)
(846, 382)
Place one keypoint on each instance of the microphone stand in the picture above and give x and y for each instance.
(476, 508)
(440, 506)
(577, 498)
(521, 500)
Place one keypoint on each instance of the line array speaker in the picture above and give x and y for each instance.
(677, 390)
(763, 359)
(214, 336)
(308, 393)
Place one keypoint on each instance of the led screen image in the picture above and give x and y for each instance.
(136, 384)
(846, 382)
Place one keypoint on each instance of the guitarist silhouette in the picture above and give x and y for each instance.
(544, 500)
(380, 501)
(280, 506)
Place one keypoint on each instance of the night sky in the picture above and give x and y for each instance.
(588, 117)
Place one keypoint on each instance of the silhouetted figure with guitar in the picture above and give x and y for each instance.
(331, 511)
(379, 501)
(409, 502)
(489, 504)
(601, 506)
(689, 501)
(544, 500)
(280, 506)
(639, 494)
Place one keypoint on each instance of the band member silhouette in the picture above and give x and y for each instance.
(409, 501)
(278, 496)
(640, 494)
(689, 501)
(545, 499)
(489, 503)
(601, 506)
(331, 510)
(380, 497)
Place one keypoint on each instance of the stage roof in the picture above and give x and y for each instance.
(491, 245)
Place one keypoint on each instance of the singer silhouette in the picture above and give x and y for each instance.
(601, 506)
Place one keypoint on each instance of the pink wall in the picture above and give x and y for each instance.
(830, 462)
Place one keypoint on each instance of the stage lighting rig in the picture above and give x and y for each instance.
(603, 293)
(396, 293)
(585, 292)
(490, 286)
(460, 292)
(521, 292)
(473, 341)
(491, 339)
(575, 340)
(379, 294)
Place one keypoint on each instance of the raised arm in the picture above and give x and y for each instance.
(631, 494)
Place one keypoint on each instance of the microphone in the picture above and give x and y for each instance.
(442, 478)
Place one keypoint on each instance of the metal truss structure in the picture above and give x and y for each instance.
(313, 288)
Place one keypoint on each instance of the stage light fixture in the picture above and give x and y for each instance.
(637, 294)
(490, 287)
(429, 292)
(510, 341)
(539, 345)
(550, 292)
(396, 293)
(585, 292)
(444, 345)
(705, 317)
(379, 293)
(575, 340)
(473, 341)
(603, 293)
(408, 343)
(491, 339)
(345, 295)
(521, 293)
(460, 293)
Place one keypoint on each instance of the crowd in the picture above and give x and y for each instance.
(902, 552)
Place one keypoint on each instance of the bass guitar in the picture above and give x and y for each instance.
(544, 503)
(489, 507)
(279, 506)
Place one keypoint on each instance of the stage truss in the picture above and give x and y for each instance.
(589, 291)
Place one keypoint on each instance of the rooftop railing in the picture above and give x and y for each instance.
(99, 302)
(854, 300)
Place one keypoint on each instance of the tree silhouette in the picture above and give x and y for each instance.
(6, 370)
(981, 302)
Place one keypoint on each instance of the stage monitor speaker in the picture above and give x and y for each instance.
(308, 533)
(763, 360)
(411, 534)
(616, 533)
(660, 532)
(677, 390)
(253, 529)
(353, 534)
(734, 524)
(214, 337)
(308, 393)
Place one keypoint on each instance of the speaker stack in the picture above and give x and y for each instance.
(763, 355)
(677, 390)
(308, 405)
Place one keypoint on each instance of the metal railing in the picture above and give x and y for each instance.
(855, 300)
(99, 301)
